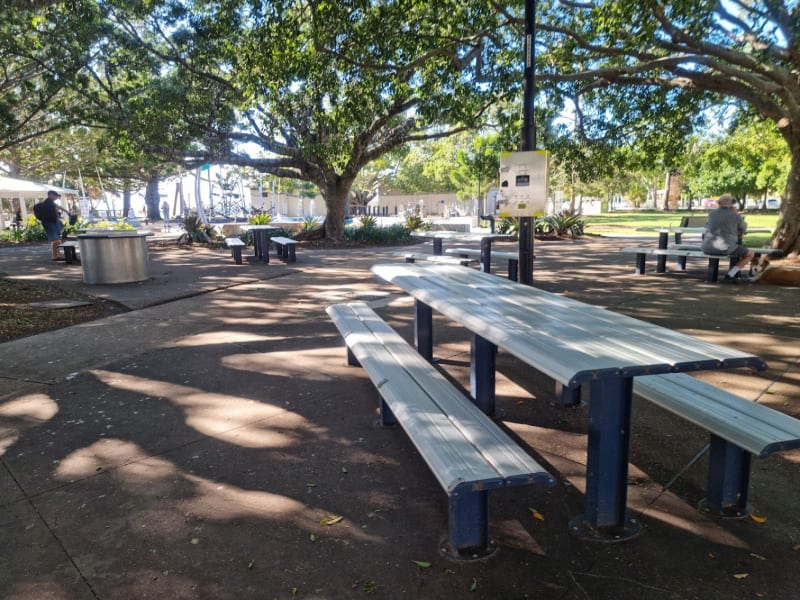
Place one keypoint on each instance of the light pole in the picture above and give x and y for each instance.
(528, 139)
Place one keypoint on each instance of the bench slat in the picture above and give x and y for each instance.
(461, 445)
(751, 426)
(477, 252)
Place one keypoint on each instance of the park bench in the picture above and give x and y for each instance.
(236, 245)
(511, 257)
(285, 248)
(411, 257)
(712, 271)
(70, 249)
(467, 452)
(739, 429)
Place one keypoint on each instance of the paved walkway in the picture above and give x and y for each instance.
(191, 447)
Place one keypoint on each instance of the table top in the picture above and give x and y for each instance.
(458, 235)
(568, 340)
(111, 233)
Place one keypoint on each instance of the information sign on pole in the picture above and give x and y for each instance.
(523, 184)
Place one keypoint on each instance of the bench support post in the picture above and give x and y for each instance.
(387, 416)
(513, 270)
(423, 329)
(728, 480)
(468, 524)
(237, 254)
(641, 259)
(661, 261)
(437, 246)
(482, 374)
(605, 518)
(712, 273)
(567, 396)
(486, 255)
(70, 256)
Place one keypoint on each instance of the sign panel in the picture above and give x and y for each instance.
(523, 184)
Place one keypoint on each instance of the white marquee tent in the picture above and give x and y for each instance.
(25, 190)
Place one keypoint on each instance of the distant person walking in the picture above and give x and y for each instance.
(165, 213)
(48, 212)
(724, 230)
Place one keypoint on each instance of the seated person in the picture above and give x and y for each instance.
(724, 228)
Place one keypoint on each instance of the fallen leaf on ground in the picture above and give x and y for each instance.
(536, 514)
(758, 518)
(740, 575)
(474, 585)
(422, 564)
(331, 519)
(758, 556)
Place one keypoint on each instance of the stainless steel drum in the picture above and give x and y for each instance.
(114, 256)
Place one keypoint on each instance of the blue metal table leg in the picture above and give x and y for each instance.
(423, 329)
(482, 374)
(606, 517)
(486, 255)
(437, 246)
(661, 262)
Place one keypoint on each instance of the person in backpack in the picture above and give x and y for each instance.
(48, 212)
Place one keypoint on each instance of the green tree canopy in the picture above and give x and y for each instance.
(628, 69)
(310, 90)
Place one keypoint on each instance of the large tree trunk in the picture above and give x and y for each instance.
(336, 200)
(787, 231)
(151, 197)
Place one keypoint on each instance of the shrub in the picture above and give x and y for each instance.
(195, 230)
(417, 223)
(560, 225)
(369, 222)
(29, 231)
(507, 226)
(393, 235)
(260, 219)
(308, 223)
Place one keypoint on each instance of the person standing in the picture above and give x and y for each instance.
(723, 234)
(48, 212)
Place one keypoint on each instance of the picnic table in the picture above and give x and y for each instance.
(573, 343)
(485, 240)
(261, 235)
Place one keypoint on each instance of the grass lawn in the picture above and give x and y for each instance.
(628, 223)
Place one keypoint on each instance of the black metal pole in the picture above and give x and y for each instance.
(528, 139)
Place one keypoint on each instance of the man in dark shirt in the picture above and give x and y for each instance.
(52, 222)
(724, 230)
